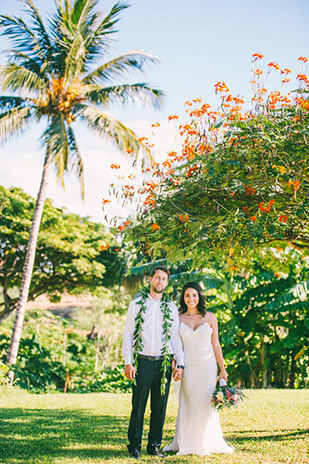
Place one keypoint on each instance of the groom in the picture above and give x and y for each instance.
(150, 339)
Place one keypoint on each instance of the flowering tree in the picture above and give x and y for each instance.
(239, 184)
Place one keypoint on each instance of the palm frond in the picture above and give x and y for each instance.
(55, 139)
(114, 130)
(21, 36)
(14, 121)
(57, 18)
(8, 103)
(38, 26)
(75, 58)
(81, 14)
(96, 40)
(121, 66)
(18, 78)
(76, 162)
(62, 35)
(23, 60)
(107, 24)
(124, 93)
(292, 294)
(60, 139)
(69, 26)
(301, 290)
(81, 31)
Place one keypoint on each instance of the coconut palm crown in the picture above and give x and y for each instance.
(52, 72)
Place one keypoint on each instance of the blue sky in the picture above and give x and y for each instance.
(199, 42)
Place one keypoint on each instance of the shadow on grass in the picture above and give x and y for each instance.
(266, 435)
(47, 434)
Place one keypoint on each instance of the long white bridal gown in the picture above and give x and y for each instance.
(198, 429)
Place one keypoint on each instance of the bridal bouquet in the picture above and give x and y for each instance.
(226, 396)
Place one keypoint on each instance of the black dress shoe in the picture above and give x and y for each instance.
(155, 452)
(135, 454)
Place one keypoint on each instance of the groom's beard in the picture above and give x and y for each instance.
(157, 290)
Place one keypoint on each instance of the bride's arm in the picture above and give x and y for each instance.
(217, 348)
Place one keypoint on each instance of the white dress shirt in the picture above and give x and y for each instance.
(152, 331)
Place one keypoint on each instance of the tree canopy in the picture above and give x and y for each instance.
(70, 250)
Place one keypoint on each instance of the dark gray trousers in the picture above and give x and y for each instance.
(148, 379)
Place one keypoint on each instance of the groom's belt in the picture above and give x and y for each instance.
(150, 358)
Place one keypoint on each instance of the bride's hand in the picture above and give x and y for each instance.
(223, 375)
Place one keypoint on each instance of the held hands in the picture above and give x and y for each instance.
(129, 372)
(177, 372)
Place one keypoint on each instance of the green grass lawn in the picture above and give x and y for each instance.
(272, 426)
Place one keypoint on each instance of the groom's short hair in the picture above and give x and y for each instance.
(160, 268)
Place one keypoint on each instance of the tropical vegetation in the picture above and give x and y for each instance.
(69, 348)
(263, 322)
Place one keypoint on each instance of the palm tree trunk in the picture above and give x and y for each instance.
(97, 352)
(29, 262)
(263, 352)
(291, 383)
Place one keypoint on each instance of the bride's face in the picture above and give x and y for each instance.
(191, 298)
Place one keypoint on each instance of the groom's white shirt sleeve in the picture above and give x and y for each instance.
(128, 333)
(177, 348)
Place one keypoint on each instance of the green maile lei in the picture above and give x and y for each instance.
(137, 336)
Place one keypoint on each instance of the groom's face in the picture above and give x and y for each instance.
(159, 281)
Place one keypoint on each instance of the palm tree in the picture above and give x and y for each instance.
(52, 74)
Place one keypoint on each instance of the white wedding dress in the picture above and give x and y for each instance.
(198, 429)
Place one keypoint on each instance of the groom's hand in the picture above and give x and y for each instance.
(129, 372)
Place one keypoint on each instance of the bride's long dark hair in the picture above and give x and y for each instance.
(201, 306)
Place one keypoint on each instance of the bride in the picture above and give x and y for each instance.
(198, 429)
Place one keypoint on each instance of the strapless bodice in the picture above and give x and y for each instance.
(197, 343)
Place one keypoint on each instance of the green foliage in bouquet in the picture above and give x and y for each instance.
(226, 396)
